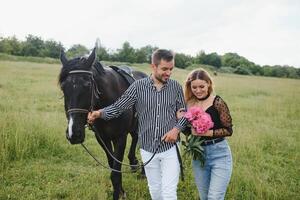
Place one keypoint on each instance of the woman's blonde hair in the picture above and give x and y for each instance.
(200, 74)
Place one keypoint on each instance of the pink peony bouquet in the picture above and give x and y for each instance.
(201, 122)
(199, 119)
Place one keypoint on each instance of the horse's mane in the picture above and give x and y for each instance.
(77, 64)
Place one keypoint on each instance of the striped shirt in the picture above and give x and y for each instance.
(156, 111)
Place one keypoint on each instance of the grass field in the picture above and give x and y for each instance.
(37, 162)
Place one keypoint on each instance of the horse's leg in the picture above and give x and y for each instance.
(131, 155)
(108, 145)
(116, 177)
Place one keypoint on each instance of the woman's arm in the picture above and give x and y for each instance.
(225, 119)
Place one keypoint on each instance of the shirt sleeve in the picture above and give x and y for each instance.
(182, 122)
(225, 119)
(125, 102)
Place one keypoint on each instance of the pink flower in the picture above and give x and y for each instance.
(200, 120)
(193, 113)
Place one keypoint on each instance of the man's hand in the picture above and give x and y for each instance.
(171, 136)
(92, 116)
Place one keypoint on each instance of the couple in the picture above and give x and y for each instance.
(158, 101)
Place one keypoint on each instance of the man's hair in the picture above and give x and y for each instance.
(162, 54)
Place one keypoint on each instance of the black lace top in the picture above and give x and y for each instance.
(221, 117)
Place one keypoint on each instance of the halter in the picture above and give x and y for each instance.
(94, 89)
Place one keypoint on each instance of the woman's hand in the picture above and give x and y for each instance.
(194, 132)
(208, 133)
(180, 113)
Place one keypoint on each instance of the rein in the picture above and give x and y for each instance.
(138, 166)
(96, 94)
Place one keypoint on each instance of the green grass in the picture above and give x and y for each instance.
(37, 162)
(8, 57)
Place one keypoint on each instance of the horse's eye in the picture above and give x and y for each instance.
(62, 85)
(87, 84)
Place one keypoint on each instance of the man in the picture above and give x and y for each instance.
(156, 98)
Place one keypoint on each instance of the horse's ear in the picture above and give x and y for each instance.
(91, 58)
(63, 57)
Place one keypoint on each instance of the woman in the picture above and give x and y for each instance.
(211, 179)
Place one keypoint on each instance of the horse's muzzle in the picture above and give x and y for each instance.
(77, 137)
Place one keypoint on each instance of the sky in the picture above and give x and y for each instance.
(266, 32)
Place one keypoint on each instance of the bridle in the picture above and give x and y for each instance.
(96, 94)
(94, 89)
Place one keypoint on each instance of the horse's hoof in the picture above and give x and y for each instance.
(134, 169)
(134, 166)
(123, 195)
(143, 171)
(141, 176)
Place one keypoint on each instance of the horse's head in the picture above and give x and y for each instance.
(76, 82)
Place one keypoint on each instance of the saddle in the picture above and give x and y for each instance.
(125, 72)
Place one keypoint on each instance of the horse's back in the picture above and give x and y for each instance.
(139, 75)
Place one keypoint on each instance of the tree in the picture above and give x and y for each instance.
(11, 45)
(141, 56)
(126, 54)
(234, 60)
(182, 60)
(33, 46)
(77, 50)
(52, 49)
(200, 57)
(101, 51)
(212, 59)
(5, 46)
(267, 70)
(242, 71)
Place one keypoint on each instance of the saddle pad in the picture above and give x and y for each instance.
(125, 72)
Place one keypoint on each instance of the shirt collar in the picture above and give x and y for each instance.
(151, 82)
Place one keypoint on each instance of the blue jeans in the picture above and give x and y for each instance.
(213, 178)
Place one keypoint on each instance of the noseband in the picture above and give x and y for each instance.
(94, 89)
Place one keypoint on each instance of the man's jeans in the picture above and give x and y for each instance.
(162, 174)
(212, 179)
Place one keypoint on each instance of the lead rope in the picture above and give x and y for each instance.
(139, 166)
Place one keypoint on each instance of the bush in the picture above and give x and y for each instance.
(242, 71)
(229, 70)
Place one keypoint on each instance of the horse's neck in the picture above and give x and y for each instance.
(104, 82)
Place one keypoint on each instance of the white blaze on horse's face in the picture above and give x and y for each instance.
(70, 127)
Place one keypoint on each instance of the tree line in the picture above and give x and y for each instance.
(229, 62)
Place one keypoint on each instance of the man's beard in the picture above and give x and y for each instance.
(160, 79)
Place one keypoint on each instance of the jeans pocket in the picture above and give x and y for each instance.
(221, 146)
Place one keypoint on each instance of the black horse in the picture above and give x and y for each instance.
(88, 85)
